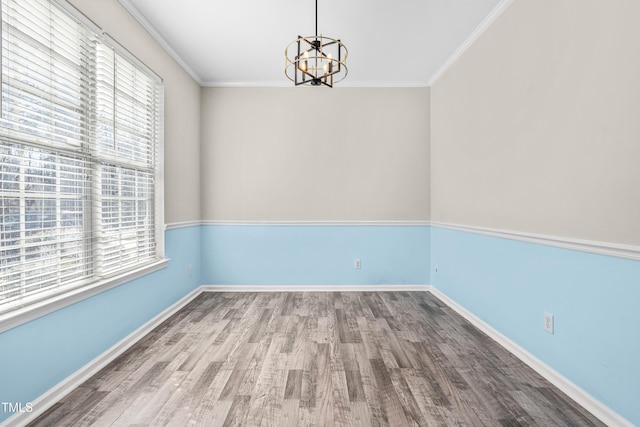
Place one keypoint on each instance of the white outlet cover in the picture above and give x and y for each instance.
(548, 322)
(356, 263)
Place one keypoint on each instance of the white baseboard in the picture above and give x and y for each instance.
(55, 394)
(314, 288)
(41, 404)
(584, 399)
(59, 391)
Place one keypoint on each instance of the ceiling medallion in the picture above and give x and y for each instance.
(316, 60)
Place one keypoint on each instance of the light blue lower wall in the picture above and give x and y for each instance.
(39, 354)
(506, 283)
(594, 299)
(315, 255)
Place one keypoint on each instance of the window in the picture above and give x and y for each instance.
(80, 134)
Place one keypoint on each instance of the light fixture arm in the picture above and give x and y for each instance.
(316, 60)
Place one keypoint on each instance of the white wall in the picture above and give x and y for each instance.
(536, 127)
(182, 107)
(315, 154)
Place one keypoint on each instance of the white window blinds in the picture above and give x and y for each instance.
(80, 128)
(125, 148)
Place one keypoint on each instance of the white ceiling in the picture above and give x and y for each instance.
(242, 42)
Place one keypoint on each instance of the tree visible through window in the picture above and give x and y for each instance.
(79, 136)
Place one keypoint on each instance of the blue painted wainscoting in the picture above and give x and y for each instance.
(508, 284)
(595, 300)
(37, 355)
(315, 254)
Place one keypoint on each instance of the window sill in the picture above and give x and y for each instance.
(30, 312)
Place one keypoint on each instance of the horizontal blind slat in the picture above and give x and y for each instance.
(78, 146)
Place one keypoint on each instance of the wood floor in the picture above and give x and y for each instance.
(320, 359)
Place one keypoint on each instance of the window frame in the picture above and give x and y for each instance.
(48, 302)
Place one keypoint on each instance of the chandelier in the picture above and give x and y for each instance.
(316, 60)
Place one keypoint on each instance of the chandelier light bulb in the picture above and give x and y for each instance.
(325, 70)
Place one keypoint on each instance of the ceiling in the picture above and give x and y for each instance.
(401, 43)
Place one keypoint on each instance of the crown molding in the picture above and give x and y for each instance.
(486, 23)
(286, 84)
(138, 16)
(133, 11)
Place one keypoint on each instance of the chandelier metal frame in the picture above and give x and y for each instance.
(316, 60)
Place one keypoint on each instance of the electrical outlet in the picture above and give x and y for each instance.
(189, 270)
(548, 323)
(356, 263)
(436, 268)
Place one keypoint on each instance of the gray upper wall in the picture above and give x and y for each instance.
(181, 104)
(536, 127)
(315, 154)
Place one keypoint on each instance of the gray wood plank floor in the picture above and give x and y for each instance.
(318, 359)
